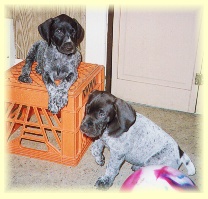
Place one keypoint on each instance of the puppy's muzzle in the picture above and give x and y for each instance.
(85, 126)
(68, 47)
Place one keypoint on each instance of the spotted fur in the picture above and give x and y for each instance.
(143, 144)
(58, 58)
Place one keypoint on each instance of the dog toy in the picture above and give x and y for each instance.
(158, 177)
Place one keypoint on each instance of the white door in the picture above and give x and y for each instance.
(155, 57)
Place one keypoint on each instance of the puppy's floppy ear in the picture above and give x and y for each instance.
(44, 30)
(92, 96)
(124, 118)
(80, 32)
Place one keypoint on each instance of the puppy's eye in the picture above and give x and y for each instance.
(101, 113)
(72, 31)
(59, 31)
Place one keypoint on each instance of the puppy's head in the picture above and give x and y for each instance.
(104, 111)
(63, 32)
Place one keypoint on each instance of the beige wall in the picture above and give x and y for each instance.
(26, 20)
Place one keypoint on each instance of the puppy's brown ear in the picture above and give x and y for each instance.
(44, 30)
(124, 118)
(80, 32)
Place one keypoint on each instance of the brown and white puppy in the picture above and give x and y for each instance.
(129, 136)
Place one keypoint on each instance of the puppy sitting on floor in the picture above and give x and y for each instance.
(129, 136)
(57, 57)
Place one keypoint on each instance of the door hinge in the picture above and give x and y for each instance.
(198, 79)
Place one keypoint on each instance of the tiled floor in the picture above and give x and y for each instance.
(33, 175)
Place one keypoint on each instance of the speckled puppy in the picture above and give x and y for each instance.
(57, 57)
(129, 136)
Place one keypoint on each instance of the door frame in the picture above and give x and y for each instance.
(109, 49)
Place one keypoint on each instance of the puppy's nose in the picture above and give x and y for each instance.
(68, 46)
(85, 125)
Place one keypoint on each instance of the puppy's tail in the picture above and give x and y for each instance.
(187, 163)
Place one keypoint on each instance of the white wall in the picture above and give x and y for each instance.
(9, 44)
(96, 35)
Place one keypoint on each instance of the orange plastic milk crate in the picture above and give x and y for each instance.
(32, 130)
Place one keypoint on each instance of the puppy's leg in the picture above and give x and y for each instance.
(112, 171)
(136, 167)
(97, 152)
(58, 95)
(63, 88)
(52, 89)
(38, 69)
(31, 56)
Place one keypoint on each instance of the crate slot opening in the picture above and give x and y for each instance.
(54, 138)
(33, 128)
(43, 117)
(33, 135)
(31, 144)
(31, 116)
(22, 113)
(14, 111)
(15, 132)
(55, 119)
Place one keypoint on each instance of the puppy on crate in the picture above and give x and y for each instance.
(57, 56)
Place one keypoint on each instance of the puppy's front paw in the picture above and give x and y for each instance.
(103, 183)
(25, 79)
(100, 160)
(52, 107)
(62, 99)
(135, 168)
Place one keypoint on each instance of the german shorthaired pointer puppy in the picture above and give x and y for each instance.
(129, 136)
(57, 57)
